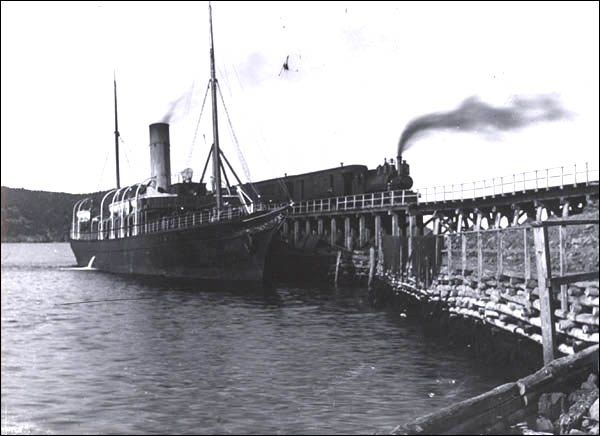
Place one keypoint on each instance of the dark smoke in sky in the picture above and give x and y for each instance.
(179, 106)
(173, 108)
(474, 115)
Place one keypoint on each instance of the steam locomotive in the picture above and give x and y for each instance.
(336, 182)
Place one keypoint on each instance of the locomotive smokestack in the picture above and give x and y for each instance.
(160, 158)
(398, 161)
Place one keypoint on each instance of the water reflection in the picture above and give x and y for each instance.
(181, 357)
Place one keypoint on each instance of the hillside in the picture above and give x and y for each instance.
(37, 216)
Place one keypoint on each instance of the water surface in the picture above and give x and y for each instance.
(172, 357)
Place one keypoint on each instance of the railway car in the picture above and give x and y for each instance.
(336, 182)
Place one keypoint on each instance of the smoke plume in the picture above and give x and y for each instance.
(178, 106)
(474, 115)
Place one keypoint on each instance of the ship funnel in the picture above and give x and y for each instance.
(160, 157)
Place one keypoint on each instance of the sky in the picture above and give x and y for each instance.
(359, 73)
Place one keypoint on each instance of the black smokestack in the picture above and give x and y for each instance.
(476, 116)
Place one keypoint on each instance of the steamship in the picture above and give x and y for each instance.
(181, 229)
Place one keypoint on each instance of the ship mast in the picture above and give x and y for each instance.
(216, 158)
(116, 134)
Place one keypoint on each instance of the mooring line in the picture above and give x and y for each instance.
(102, 301)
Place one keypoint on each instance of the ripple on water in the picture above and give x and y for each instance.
(177, 358)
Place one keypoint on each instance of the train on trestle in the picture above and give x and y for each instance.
(336, 182)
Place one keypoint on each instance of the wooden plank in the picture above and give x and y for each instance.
(452, 416)
(564, 304)
(544, 270)
(572, 278)
(559, 222)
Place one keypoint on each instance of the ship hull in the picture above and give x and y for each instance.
(224, 251)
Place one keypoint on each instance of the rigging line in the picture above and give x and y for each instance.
(189, 159)
(237, 144)
(102, 172)
(226, 78)
(124, 149)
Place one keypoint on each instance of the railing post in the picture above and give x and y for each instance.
(544, 273)
(575, 176)
(502, 185)
(536, 180)
(524, 184)
(587, 177)
(461, 192)
(562, 177)
(547, 179)
(514, 184)
(403, 196)
(474, 189)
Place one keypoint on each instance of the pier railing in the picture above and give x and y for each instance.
(536, 180)
(352, 202)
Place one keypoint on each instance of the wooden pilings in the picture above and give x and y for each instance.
(371, 265)
(362, 235)
(347, 233)
(296, 232)
(337, 267)
(378, 230)
(542, 255)
(333, 232)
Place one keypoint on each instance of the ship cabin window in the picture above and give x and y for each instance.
(331, 184)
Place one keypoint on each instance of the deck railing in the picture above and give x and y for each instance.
(166, 223)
